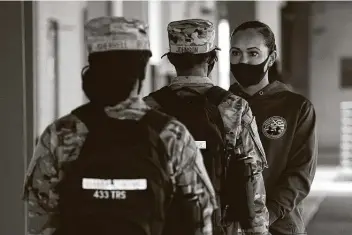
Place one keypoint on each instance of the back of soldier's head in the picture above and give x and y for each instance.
(118, 54)
(192, 43)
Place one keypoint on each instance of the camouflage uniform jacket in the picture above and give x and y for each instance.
(241, 134)
(61, 142)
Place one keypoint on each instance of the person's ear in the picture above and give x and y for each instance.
(272, 58)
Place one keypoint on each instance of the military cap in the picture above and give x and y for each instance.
(116, 33)
(194, 36)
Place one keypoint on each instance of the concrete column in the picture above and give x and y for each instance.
(154, 20)
(16, 104)
(168, 11)
(116, 8)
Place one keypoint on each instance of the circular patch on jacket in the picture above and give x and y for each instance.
(274, 127)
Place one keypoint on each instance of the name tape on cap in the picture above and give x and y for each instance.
(201, 144)
(114, 184)
(101, 46)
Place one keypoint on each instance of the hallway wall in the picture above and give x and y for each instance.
(69, 16)
(331, 34)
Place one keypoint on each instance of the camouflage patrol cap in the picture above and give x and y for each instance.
(116, 33)
(194, 36)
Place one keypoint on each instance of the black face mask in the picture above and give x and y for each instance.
(248, 74)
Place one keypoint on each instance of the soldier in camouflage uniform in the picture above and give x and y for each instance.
(193, 53)
(113, 40)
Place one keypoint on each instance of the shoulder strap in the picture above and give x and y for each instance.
(234, 88)
(162, 95)
(217, 94)
(167, 99)
(89, 115)
(156, 120)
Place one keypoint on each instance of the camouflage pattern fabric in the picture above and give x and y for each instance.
(116, 33)
(61, 143)
(194, 36)
(241, 135)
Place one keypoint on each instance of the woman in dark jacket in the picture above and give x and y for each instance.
(286, 123)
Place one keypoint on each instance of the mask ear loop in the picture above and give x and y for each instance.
(84, 70)
(272, 62)
(273, 49)
(164, 55)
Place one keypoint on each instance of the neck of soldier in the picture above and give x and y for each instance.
(200, 71)
(134, 92)
(251, 90)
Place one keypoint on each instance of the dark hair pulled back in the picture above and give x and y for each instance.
(111, 76)
(261, 28)
(186, 61)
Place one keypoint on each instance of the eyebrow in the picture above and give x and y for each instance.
(249, 48)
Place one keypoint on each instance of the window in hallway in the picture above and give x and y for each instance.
(346, 73)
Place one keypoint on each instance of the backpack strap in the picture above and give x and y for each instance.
(157, 121)
(164, 97)
(217, 94)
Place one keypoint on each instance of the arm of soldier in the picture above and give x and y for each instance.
(253, 148)
(40, 178)
(295, 183)
(242, 136)
(188, 171)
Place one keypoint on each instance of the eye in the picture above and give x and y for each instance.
(235, 53)
(253, 53)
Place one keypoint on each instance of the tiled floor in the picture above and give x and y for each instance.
(324, 177)
(334, 216)
(329, 206)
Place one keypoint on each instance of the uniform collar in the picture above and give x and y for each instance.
(181, 80)
(267, 90)
(131, 108)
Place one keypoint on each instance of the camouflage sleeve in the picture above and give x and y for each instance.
(41, 176)
(252, 147)
(242, 137)
(188, 171)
